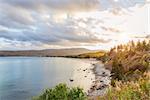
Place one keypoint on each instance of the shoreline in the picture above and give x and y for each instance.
(102, 80)
(84, 75)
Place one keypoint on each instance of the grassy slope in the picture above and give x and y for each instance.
(96, 54)
(92, 55)
(130, 67)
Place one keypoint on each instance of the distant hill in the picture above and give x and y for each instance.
(47, 52)
(93, 54)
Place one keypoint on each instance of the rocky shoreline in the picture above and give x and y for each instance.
(102, 80)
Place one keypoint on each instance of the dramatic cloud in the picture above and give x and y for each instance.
(56, 5)
(40, 24)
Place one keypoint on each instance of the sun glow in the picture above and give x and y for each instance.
(116, 0)
(123, 38)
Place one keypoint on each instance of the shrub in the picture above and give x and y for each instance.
(117, 70)
(62, 92)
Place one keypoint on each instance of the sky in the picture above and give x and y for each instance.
(55, 24)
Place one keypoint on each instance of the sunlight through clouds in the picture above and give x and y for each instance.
(59, 24)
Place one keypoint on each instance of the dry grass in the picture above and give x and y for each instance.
(130, 90)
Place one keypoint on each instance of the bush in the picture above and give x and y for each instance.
(62, 92)
(117, 70)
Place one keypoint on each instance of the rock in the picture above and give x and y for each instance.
(101, 81)
(71, 80)
(104, 86)
(103, 73)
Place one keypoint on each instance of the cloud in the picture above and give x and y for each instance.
(148, 37)
(110, 29)
(70, 5)
(61, 23)
(54, 32)
(145, 37)
(56, 5)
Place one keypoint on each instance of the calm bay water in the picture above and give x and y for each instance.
(24, 77)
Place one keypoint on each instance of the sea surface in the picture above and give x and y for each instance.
(21, 78)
